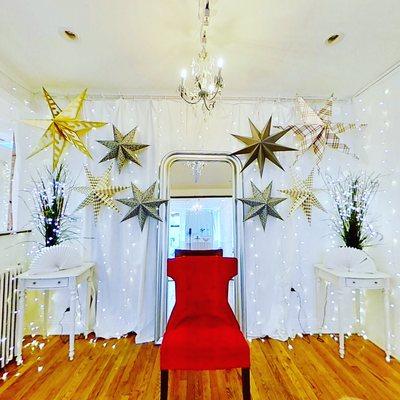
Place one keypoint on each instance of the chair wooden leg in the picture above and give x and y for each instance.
(164, 385)
(246, 383)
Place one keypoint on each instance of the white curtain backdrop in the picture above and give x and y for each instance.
(277, 260)
(379, 107)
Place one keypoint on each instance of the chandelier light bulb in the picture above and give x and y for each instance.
(183, 76)
(205, 82)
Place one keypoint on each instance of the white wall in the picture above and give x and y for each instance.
(379, 106)
(14, 249)
(276, 260)
(171, 125)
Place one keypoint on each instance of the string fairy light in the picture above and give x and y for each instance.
(257, 272)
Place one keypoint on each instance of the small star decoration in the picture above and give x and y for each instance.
(262, 204)
(302, 194)
(65, 127)
(99, 192)
(262, 145)
(142, 204)
(123, 148)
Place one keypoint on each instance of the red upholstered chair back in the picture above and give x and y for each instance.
(186, 252)
(202, 289)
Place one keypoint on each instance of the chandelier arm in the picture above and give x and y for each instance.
(208, 107)
(189, 100)
(214, 96)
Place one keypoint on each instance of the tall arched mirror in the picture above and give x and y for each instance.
(202, 214)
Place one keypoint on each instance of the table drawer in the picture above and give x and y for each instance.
(46, 283)
(365, 283)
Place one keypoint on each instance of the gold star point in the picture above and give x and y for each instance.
(65, 127)
(262, 145)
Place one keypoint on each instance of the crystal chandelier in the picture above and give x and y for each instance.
(196, 207)
(197, 169)
(205, 83)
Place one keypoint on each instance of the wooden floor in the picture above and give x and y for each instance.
(121, 370)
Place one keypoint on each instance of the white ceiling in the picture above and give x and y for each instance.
(271, 48)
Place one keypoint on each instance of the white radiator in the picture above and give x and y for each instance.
(8, 312)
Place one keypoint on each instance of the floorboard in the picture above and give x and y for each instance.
(122, 370)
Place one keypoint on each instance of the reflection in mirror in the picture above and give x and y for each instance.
(202, 215)
(201, 224)
(7, 164)
(200, 212)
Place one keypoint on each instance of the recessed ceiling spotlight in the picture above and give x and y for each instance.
(68, 33)
(333, 39)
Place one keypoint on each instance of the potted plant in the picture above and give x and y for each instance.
(352, 194)
(50, 197)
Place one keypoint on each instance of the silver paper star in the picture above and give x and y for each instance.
(123, 148)
(262, 204)
(142, 204)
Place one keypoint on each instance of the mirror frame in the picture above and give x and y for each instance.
(162, 237)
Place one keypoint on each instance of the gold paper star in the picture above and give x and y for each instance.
(122, 148)
(262, 145)
(302, 194)
(99, 192)
(65, 127)
(262, 204)
(142, 204)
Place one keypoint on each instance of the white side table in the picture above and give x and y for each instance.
(341, 279)
(68, 278)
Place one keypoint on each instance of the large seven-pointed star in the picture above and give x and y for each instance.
(66, 126)
(142, 204)
(262, 204)
(122, 148)
(317, 131)
(262, 145)
(99, 192)
(302, 194)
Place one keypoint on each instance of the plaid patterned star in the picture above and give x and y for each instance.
(318, 131)
(123, 148)
(66, 127)
(99, 192)
(142, 204)
(262, 145)
(262, 204)
(302, 194)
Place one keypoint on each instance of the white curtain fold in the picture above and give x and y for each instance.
(277, 260)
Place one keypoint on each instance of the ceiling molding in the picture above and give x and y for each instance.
(132, 96)
(11, 86)
(15, 89)
(381, 77)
